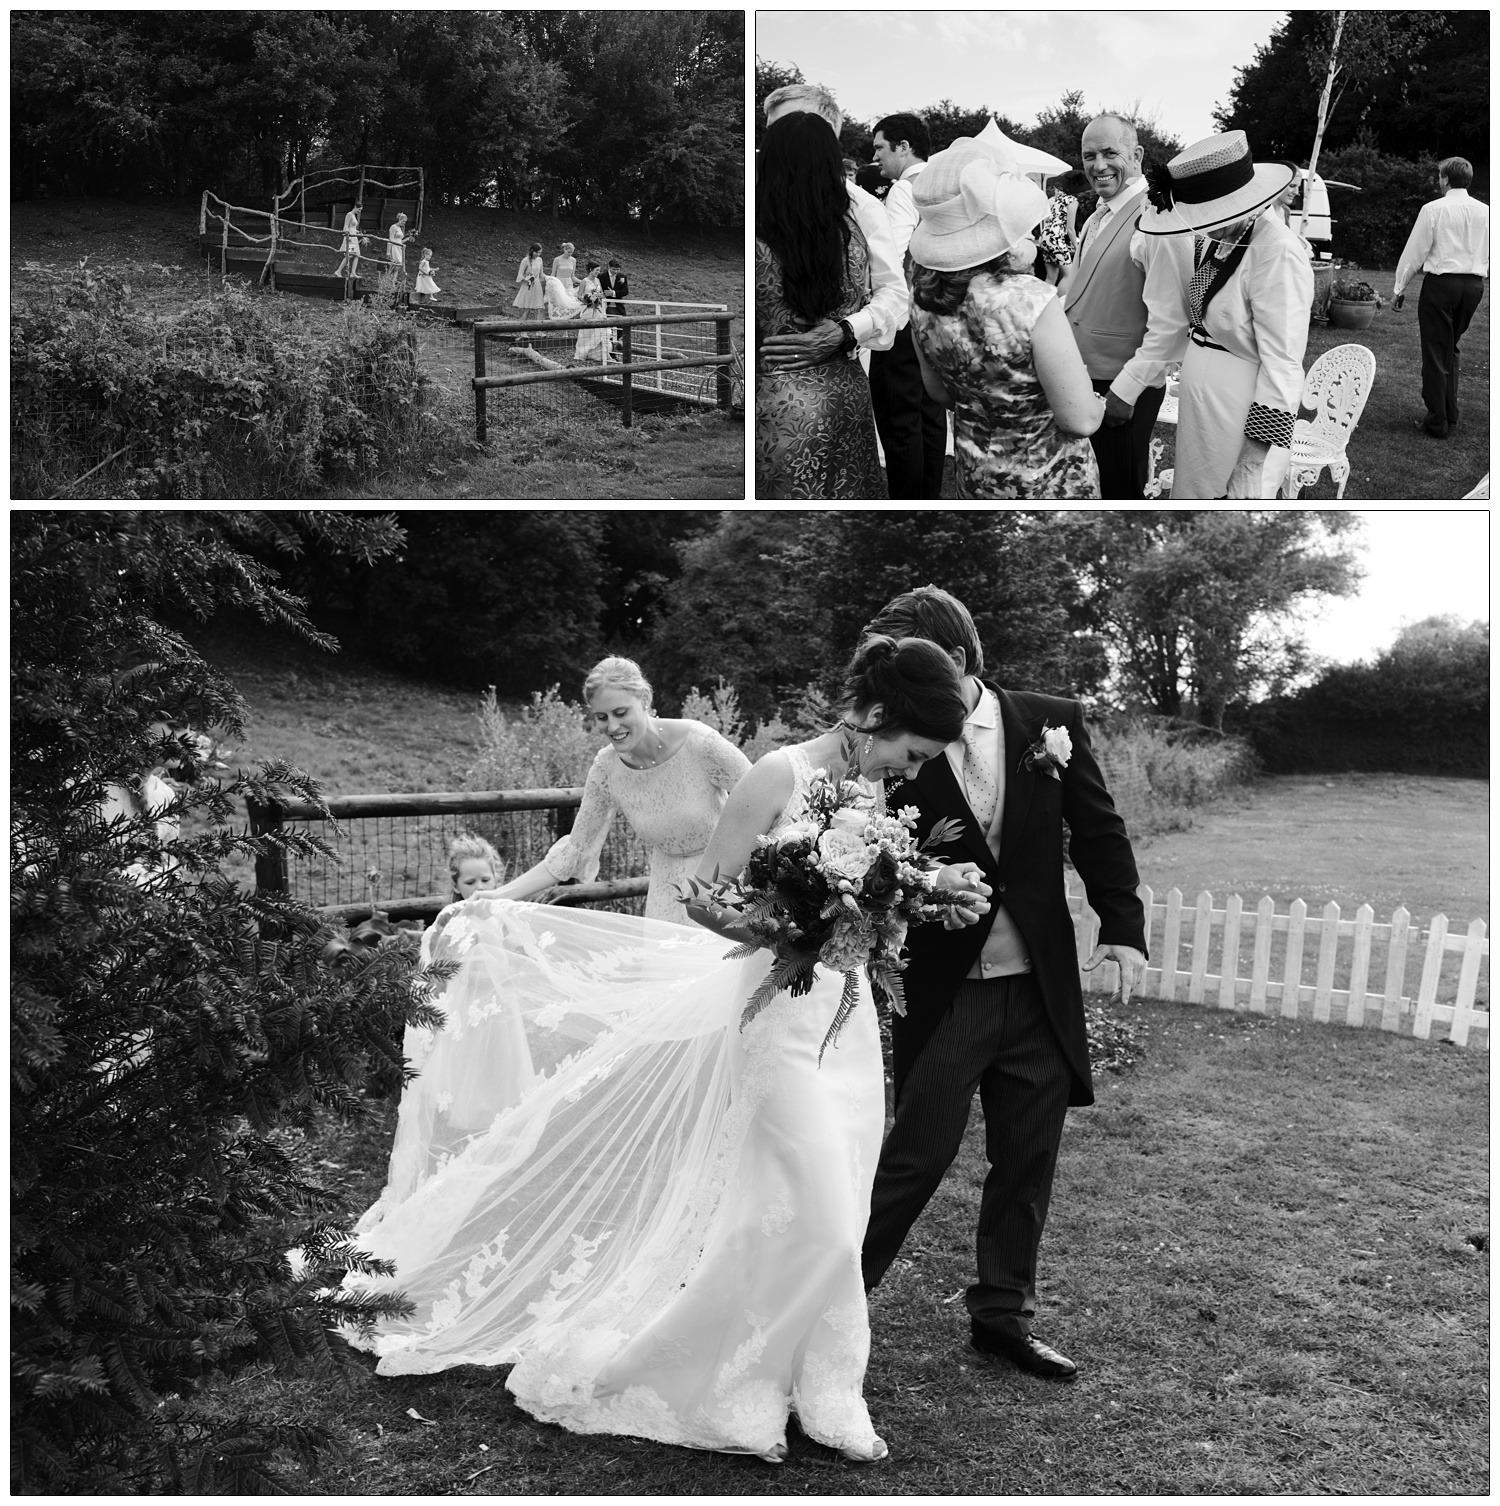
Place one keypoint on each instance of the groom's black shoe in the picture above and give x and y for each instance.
(1023, 1350)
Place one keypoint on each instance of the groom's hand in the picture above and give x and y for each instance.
(1131, 963)
(967, 878)
(795, 352)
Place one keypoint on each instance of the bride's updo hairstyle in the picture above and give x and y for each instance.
(623, 674)
(913, 681)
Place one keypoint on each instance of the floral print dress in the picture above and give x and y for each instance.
(814, 429)
(1006, 443)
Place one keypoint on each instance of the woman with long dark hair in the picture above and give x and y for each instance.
(814, 427)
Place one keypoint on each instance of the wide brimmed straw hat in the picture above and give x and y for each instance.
(1213, 182)
(974, 206)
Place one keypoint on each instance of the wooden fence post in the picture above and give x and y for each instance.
(721, 342)
(1291, 987)
(1432, 966)
(1468, 983)
(270, 867)
(1395, 969)
(1170, 940)
(479, 371)
(1229, 965)
(626, 377)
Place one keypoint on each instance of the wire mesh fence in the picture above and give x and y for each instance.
(409, 852)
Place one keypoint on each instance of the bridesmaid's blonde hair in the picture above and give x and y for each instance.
(467, 845)
(624, 674)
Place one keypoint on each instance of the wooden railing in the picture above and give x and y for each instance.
(624, 371)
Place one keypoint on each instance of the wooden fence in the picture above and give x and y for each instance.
(1283, 946)
(619, 374)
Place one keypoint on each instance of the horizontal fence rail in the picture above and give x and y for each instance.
(621, 373)
(1285, 947)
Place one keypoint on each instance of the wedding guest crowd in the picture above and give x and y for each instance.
(977, 296)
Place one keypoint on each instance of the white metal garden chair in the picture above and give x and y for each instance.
(1336, 387)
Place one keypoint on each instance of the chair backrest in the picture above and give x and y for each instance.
(1336, 387)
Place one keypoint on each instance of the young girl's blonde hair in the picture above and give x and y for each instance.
(467, 845)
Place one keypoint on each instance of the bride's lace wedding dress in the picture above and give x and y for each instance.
(663, 1232)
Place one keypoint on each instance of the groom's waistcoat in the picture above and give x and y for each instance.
(1105, 301)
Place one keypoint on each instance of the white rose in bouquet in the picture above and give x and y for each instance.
(844, 855)
(852, 821)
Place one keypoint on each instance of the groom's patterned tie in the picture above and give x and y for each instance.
(979, 779)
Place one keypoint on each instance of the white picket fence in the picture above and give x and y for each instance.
(1294, 939)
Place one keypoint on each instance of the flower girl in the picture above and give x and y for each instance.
(424, 287)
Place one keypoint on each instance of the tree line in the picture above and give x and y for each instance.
(581, 113)
(1184, 614)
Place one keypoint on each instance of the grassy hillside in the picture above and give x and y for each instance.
(477, 250)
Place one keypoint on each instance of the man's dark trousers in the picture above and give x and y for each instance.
(996, 1038)
(1444, 308)
(913, 427)
(1124, 450)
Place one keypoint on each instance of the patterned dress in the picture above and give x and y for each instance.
(1052, 240)
(814, 429)
(1006, 444)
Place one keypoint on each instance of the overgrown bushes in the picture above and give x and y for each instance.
(222, 395)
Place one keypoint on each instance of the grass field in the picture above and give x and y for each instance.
(1389, 461)
(1268, 1244)
(582, 455)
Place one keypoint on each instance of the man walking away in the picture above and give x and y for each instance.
(1450, 246)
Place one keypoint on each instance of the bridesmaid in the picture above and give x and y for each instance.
(531, 299)
(668, 777)
(565, 267)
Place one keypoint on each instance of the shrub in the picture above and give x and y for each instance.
(1159, 770)
(1371, 227)
(231, 394)
(165, 1030)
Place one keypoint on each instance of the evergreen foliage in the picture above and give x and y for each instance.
(166, 1028)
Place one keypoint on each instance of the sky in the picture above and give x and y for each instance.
(1428, 563)
(1173, 66)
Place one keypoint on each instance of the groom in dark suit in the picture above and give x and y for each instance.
(996, 1005)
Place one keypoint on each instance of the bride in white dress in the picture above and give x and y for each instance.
(664, 1234)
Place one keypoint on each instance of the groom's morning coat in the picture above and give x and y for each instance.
(1027, 879)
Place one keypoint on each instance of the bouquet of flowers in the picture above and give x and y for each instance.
(594, 298)
(839, 887)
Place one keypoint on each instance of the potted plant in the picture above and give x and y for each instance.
(1353, 304)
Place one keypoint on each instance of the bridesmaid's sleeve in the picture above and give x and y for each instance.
(725, 764)
(576, 856)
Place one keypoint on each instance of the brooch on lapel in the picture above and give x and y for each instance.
(1049, 754)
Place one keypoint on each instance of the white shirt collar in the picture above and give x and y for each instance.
(1132, 187)
(912, 171)
(987, 712)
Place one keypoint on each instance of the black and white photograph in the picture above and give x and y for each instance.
(1121, 255)
(384, 255)
(499, 998)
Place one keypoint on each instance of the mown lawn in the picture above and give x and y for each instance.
(1267, 1251)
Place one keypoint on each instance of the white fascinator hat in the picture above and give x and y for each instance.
(975, 205)
(1213, 182)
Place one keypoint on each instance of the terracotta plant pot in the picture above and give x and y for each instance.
(1345, 314)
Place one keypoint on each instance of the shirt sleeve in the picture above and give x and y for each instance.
(876, 324)
(1167, 261)
(1281, 289)
(1418, 244)
(901, 215)
(576, 856)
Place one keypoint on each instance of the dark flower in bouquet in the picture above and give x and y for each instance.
(838, 887)
(593, 298)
